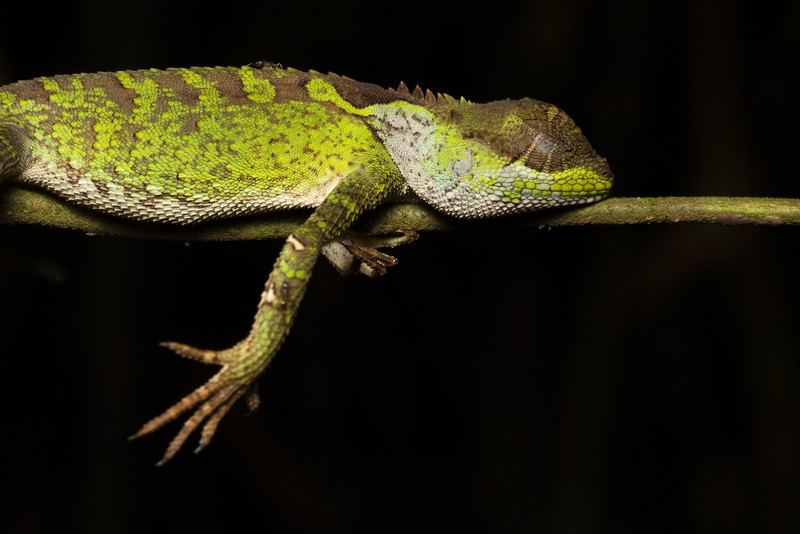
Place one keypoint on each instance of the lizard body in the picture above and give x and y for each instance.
(182, 146)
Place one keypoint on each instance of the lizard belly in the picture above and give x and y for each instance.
(173, 191)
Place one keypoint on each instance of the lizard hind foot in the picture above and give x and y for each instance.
(210, 402)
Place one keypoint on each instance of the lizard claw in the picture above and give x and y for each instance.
(215, 398)
(205, 356)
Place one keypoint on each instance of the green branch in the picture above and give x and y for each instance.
(22, 206)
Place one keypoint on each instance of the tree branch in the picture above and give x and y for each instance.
(23, 206)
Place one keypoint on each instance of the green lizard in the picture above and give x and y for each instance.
(183, 146)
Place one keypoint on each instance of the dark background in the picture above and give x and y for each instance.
(625, 379)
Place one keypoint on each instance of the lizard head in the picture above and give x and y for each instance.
(511, 156)
(537, 135)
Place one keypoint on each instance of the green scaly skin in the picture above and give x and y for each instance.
(186, 145)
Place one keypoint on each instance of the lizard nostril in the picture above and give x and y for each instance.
(605, 171)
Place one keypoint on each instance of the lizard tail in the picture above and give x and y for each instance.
(10, 149)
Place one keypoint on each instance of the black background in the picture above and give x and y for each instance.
(626, 379)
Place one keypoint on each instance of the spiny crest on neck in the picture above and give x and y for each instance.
(368, 93)
(427, 98)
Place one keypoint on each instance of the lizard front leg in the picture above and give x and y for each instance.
(243, 363)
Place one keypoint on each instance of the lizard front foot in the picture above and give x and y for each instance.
(236, 379)
(358, 253)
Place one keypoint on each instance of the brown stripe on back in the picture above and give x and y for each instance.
(112, 88)
(226, 80)
(30, 90)
(361, 94)
(292, 86)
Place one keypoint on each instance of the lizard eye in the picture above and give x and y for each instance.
(547, 145)
(554, 142)
(550, 146)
